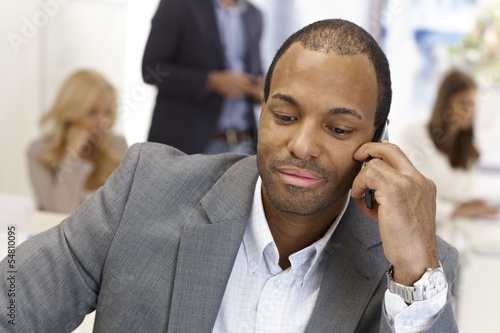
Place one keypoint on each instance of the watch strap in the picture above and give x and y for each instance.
(414, 293)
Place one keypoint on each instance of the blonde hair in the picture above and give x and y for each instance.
(75, 99)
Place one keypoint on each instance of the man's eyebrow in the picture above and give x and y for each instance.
(334, 111)
(345, 111)
(286, 98)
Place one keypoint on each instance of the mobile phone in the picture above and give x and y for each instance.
(381, 134)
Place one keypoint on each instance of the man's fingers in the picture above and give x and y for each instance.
(388, 152)
(374, 175)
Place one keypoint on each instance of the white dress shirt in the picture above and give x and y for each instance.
(261, 297)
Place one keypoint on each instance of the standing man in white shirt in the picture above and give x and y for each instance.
(278, 242)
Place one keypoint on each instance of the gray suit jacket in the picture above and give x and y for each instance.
(153, 249)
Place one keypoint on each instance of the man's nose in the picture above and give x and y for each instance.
(305, 141)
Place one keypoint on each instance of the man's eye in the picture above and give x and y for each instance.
(340, 131)
(285, 118)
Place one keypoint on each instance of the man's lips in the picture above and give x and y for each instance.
(299, 177)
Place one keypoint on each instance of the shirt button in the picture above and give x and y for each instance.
(251, 263)
(277, 283)
(408, 324)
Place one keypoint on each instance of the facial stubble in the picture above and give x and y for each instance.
(303, 201)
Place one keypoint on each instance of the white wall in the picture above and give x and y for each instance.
(19, 90)
(138, 99)
(83, 34)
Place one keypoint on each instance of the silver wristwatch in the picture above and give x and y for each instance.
(430, 284)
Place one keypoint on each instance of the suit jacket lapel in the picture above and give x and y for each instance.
(206, 15)
(252, 38)
(343, 297)
(208, 249)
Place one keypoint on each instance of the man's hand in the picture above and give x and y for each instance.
(405, 208)
(257, 87)
(231, 84)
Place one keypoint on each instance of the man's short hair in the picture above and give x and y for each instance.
(342, 38)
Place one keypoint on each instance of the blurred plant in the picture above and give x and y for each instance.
(479, 51)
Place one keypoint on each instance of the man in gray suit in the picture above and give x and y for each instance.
(280, 242)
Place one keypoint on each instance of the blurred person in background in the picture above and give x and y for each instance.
(445, 151)
(79, 152)
(204, 57)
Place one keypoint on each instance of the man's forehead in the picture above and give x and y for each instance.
(322, 68)
(301, 55)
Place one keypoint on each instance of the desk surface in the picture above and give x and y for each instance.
(477, 294)
(45, 220)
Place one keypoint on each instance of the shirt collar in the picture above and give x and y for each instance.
(238, 8)
(257, 234)
(258, 238)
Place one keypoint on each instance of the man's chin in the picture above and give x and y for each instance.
(298, 201)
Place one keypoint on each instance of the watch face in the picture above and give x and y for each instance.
(435, 284)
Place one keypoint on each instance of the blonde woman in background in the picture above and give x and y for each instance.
(79, 152)
(444, 149)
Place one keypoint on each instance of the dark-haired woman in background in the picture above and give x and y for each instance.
(444, 150)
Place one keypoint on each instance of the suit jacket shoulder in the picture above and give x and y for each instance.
(142, 249)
